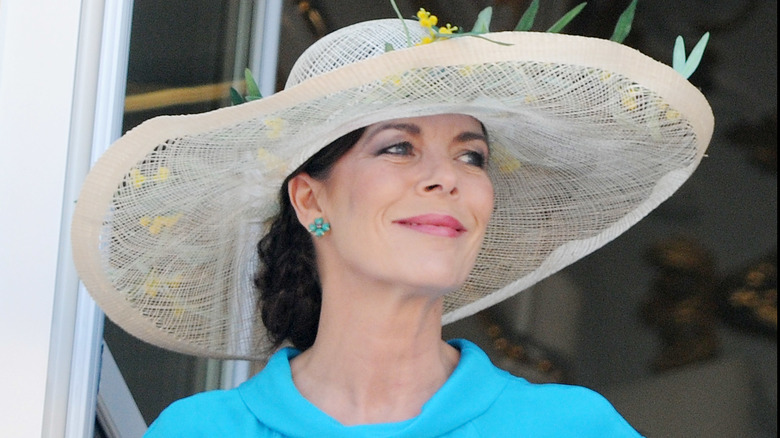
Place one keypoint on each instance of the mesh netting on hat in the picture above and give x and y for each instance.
(167, 224)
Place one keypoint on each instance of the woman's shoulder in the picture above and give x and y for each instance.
(552, 395)
(542, 409)
(565, 410)
(242, 411)
(217, 413)
(202, 404)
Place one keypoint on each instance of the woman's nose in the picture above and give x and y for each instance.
(438, 176)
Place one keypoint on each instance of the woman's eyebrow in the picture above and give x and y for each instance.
(409, 128)
(469, 135)
(413, 129)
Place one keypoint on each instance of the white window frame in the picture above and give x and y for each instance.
(46, 60)
(96, 121)
(75, 344)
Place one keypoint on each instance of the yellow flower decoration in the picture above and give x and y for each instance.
(175, 282)
(276, 126)
(449, 29)
(271, 161)
(138, 177)
(466, 70)
(159, 222)
(392, 79)
(152, 285)
(509, 165)
(162, 174)
(425, 40)
(629, 100)
(426, 19)
(156, 226)
(669, 113)
(672, 114)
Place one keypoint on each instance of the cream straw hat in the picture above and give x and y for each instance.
(587, 137)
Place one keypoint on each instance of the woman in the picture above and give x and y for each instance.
(434, 180)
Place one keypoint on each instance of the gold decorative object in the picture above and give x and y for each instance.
(748, 298)
(681, 303)
(522, 356)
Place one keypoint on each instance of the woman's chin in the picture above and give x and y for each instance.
(435, 283)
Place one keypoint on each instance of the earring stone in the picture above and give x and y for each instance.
(319, 227)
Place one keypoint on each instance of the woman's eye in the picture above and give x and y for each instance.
(398, 149)
(474, 158)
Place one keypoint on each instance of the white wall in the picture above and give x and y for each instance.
(38, 47)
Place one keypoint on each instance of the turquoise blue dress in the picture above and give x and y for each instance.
(478, 400)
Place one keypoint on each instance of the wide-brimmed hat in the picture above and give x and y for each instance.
(587, 136)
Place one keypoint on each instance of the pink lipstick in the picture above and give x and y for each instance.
(434, 224)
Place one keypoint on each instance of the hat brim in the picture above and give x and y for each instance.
(587, 137)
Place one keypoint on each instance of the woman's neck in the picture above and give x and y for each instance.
(375, 362)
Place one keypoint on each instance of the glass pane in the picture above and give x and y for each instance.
(182, 56)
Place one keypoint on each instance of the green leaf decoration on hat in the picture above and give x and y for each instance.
(686, 67)
(623, 26)
(403, 23)
(563, 21)
(235, 97)
(482, 25)
(527, 20)
(252, 90)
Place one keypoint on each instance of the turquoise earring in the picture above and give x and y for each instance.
(319, 227)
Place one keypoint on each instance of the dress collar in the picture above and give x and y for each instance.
(273, 398)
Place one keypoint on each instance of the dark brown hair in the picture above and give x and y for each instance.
(290, 296)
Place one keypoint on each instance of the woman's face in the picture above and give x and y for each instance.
(409, 204)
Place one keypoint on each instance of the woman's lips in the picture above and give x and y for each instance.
(435, 224)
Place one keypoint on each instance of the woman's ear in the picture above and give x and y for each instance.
(303, 190)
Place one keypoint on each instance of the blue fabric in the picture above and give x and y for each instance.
(478, 400)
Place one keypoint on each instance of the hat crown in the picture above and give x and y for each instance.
(352, 44)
